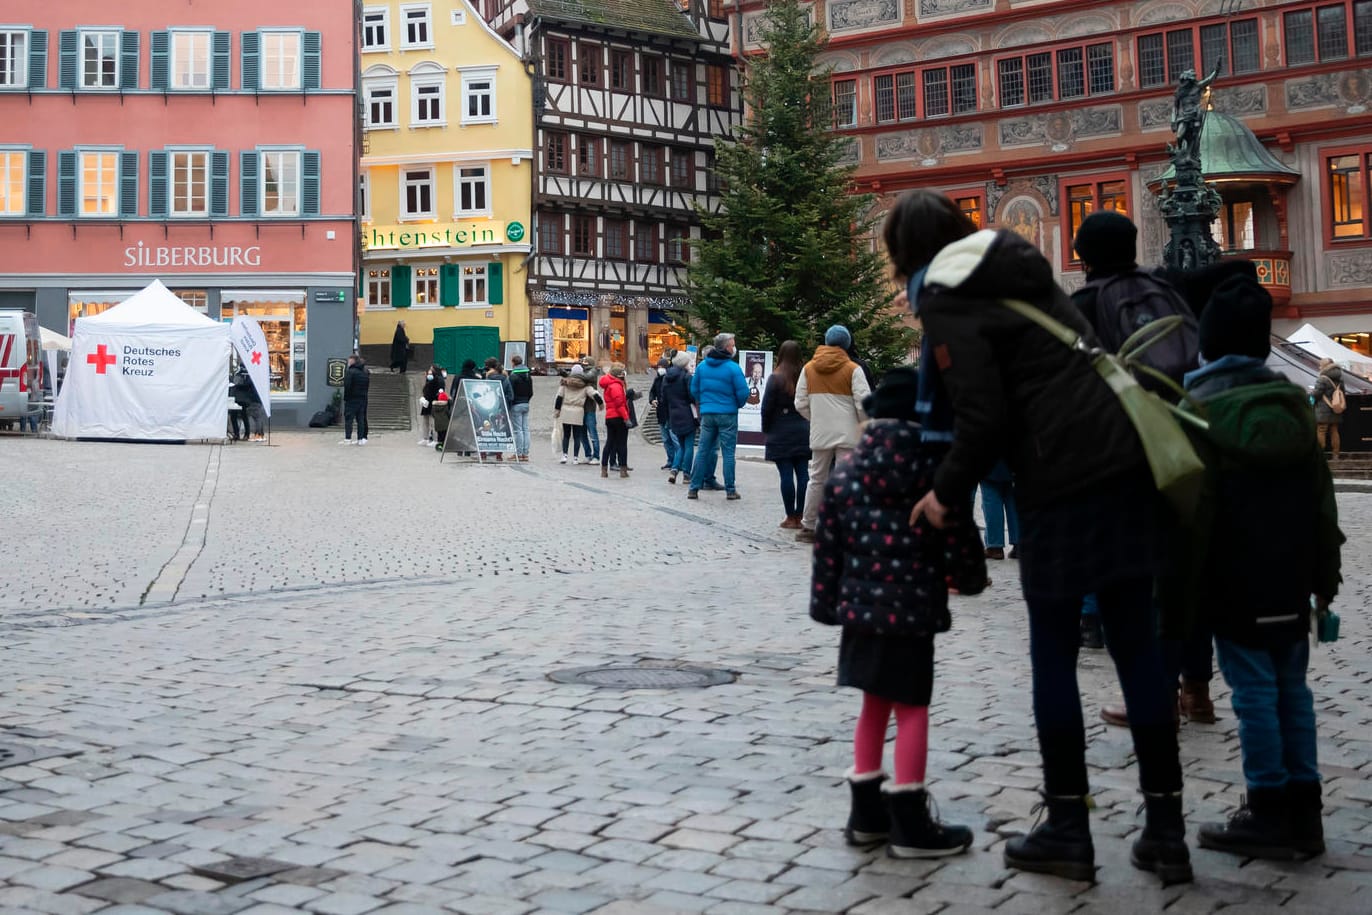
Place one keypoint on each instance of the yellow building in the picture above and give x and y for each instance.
(446, 173)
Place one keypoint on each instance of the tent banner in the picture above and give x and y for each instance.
(251, 346)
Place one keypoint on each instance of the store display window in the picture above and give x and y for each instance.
(281, 313)
(87, 304)
(663, 334)
(571, 333)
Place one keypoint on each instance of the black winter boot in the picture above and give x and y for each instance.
(1161, 849)
(1304, 820)
(914, 831)
(868, 822)
(1061, 846)
(1258, 829)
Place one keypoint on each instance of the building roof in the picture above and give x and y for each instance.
(659, 17)
(1231, 152)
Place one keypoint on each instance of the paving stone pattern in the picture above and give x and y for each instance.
(352, 682)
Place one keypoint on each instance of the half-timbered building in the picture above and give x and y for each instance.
(629, 98)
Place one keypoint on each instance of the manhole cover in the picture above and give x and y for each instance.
(643, 677)
(18, 754)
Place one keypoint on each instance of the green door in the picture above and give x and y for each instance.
(454, 345)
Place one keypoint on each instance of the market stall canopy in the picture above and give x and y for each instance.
(149, 369)
(1312, 340)
(52, 340)
(1303, 367)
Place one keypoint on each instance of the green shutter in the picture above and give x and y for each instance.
(219, 183)
(450, 285)
(311, 60)
(128, 60)
(251, 41)
(35, 202)
(159, 75)
(157, 184)
(400, 286)
(247, 182)
(38, 59)
(221, 48)
(495, 284)
(66, 183)
(66, 73)
(128, 184)
(309, 183)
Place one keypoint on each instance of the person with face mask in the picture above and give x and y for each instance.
(433, 383)
(659, 404)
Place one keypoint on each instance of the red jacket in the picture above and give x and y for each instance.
(616, 403)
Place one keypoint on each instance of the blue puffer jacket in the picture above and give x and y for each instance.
(718, 385)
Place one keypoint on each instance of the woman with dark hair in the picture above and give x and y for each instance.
(433, 383)
(400, 348)
(788, 433)
(995, 385)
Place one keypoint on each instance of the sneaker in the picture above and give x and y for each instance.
(362, 441)
(712, 487)
(665, 467)
(424, 441)
(671, 477)
(733, 497)
(563, 459)
(693, 494)
(346, 441)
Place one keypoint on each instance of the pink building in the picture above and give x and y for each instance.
(209, 145)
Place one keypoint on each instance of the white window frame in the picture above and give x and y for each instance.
(208, 75)
(471, 75)
(471, 180)
(426, 22)
(263, 155)
(113, 185)
(8, 180)
(364, 191)
(430, 276)
(381, 280)
(373, 84)
(18, 63)
(278, 71)
(474, 275)
(385, 24)
(428, 83)
(172, 153)
(405, 183)
(115, 35)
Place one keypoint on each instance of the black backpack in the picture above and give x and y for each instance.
(1129, 301)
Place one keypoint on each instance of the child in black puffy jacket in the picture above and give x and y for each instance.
(887, 585)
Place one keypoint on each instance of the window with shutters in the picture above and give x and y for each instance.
(557, 60)
(474, 284)
(99, 59)
(426, 285)
(190, 59)
(588, 64)
(473, 190)
(1090, 196)
(280, 182)
(1060, 74)
(379, 288)
(98, 171)
(478, 96)
(13, 175)
(190, 183)
(281, 60)
(622, 70)
(376, 28)
(616, 239)
(683, 82)
(14, 59)
(426, 102)
(417, 22)
(380, 103)
(417, 193)
(583, 236)
(555, 153)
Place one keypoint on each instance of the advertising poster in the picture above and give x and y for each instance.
(489, 415)
(516, 348)
(757, 366)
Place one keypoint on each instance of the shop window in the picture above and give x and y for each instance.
(645, 242)
(583, 236)
(973, 208)
(588, 156)
(1058, 75)
(1347, 195)
(281, 316)
(378, 288)
(1086, 198)
(717, 86)
(588, 64)
(845, 103)
(682, 82)
(280, 60)
(190, 183)
(99, 59)
(88, 304)
(555, 153)
(549, 234)
(622, 70)
(556, 61)
(380, 103)
(417, 20)
(425, 287)
(478, 97)
(616, 239)
(652, 76)
(190, 59)
(376, 28)
(13, 173)
(473, 190)
(418, 192)
(621, 166)
(14, 59)
(570, 332)
(99, 173)
(1234, 228)
(678, 249)
(683, 169)
(650, 164)
(281, 183)
(474, 286)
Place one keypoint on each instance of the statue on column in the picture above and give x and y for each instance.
(1188, 114)
(1189, 206)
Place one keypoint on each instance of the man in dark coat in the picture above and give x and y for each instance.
(355, 384)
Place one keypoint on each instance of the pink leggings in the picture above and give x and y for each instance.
(912, 739)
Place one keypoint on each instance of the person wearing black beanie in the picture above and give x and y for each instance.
(1107, 243)
(1237, 321)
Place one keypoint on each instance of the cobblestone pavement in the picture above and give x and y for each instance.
(340, 662)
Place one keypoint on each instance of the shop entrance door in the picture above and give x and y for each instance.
(619, 334)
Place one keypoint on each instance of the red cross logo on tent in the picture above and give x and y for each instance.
(256, 358)
(102, 359)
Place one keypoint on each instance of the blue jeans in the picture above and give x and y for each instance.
(717, 431)
(795, 474)
(669, 445)
(998, 502)
(1276, 711)
(519, 419)
(592, 436)
(685, 453)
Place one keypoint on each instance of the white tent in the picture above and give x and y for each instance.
(1310, 339)
(150, 369)
(52, 340)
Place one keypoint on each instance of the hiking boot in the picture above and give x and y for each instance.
(1305, 825)
(1161, 848)
(915, 833)
(1061, 846)
(1194, 702)
(790, 524)
(604, 471)
(805, 535)
(1092, 635)
(624, 473)
(868, 822)
(1258, 829)
(995, 552)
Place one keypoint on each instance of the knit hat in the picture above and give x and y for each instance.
(577, 369)
(839, 336)
(896, 395)
(1237, 321)
(663, 362)
(1107, 240)
(681, 359)
(617, 369)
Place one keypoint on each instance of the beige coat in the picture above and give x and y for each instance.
(573, 394)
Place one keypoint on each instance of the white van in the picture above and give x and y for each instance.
(21, 365)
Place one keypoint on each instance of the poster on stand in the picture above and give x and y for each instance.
(480, 421)
(757, 366)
